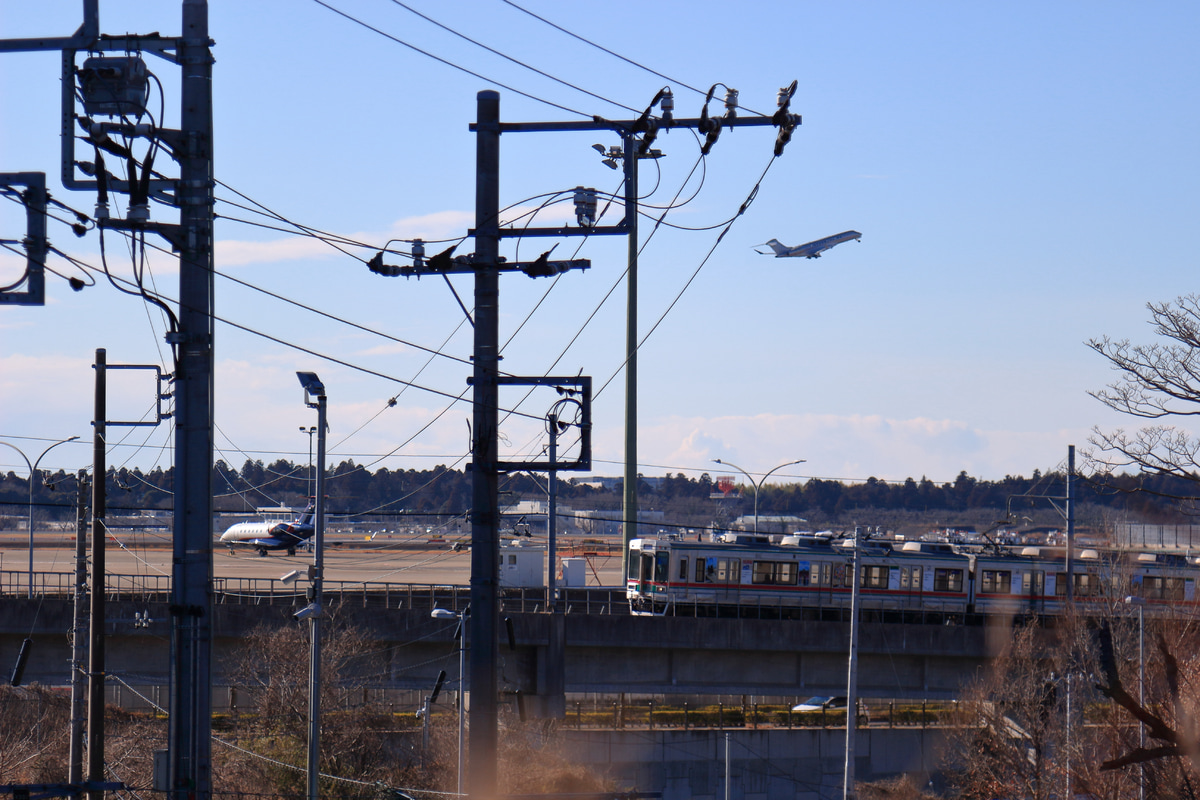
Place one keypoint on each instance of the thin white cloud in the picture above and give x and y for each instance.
(852, 447)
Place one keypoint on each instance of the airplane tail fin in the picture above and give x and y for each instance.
(777, 246)
(307, 515)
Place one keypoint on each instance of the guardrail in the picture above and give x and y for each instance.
(151, 588)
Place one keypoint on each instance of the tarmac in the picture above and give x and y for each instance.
(346, 558)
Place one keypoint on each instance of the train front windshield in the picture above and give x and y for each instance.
(648, 566)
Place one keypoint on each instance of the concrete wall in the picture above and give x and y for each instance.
(603, 653)
(804, 764)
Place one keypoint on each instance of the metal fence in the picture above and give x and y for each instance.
(156, 588)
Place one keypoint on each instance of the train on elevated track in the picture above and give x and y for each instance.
(811, 577)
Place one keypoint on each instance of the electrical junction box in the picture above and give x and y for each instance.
(114, 86)
(574, 572)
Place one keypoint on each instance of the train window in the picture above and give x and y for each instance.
(947, 580)
(1060, 584)
(634, 565)
(683, 568)
(780, 573)
(874, 577)
(728, 570)
(1033, 583)
(995, 582)
(910, 578)
(706, 570)
(661, 561)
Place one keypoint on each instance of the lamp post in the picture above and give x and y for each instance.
(310, 430)
(757, 484)
(33, 477)
(1140, 602)
(313, 388)
(461, 616)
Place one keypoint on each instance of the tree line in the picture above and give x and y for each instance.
(353, 489)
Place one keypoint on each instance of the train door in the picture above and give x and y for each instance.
(645, 571)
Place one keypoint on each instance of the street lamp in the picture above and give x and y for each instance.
(758, 484)
(315, 390)
(461, 616)
(1140, 602)
(32, 477)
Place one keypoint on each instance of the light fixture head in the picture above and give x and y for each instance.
(311, 383)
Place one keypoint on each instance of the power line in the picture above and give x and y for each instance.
(513, 60)
(629, 61)
(441, 60)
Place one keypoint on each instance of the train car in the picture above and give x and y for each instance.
(801, 573)
(807, 576)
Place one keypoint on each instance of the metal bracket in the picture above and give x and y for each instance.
(159, 415)
(34, 199)
(581, 384)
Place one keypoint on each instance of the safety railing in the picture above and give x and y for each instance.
(276, 591)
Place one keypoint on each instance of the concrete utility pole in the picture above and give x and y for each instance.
(95, 719)
(636, 136)
(849, 791)
(190, 733)
(190, 728)
(79, 632)
(485, 516)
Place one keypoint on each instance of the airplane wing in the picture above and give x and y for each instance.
(269, 542)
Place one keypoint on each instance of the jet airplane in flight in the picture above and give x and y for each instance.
(809, 250)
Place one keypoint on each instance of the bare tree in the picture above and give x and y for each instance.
(1170, 762)
(1030, 725)
(1157, 382)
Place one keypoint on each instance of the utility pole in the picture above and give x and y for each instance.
(629, 493)
(849, 792)
(190, 727)
(636, 137)
(79, 632)
(95, 720)
(190, 733)
(485, 516)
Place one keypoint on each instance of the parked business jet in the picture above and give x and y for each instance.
(810, 250)
(264, 536)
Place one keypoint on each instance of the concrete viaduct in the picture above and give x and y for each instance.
(605, 649)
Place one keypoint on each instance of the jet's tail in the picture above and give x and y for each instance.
(777, 246)
(307, 515)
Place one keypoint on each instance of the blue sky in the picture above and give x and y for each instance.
(1024, 175)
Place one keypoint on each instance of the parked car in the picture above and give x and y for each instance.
(820, 704)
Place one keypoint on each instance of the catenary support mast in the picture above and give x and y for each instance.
(485, 512)
(190, 733)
